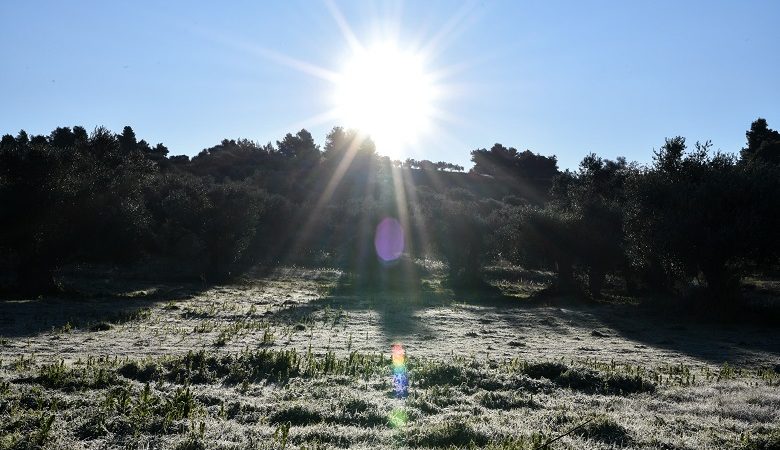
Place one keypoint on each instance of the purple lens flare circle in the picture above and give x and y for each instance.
(389, 239)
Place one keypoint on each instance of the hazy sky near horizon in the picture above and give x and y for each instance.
(563, 78)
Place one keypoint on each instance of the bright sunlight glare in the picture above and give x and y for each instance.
(386, 93)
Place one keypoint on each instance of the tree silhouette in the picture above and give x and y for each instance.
(72, 197)
(698, 212)
(763, 144)
(300, 149)
(60, 207)
(63, 137)
(508, 162)
(127, 140)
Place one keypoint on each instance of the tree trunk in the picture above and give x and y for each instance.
(721, 284)
(36, 279)
(596, 278)
(565, 274)
(471, 272)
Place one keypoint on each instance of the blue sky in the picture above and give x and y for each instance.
(564, 78)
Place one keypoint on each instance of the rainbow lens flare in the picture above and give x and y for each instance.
(400, 374)
(398, 418)
(389, 239)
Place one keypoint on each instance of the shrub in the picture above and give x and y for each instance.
(503, 400)
(605, 430)
(143, 373)
(447, 434)
(549, 370)
(295, 415)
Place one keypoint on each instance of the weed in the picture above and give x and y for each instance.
(170, 306)
(268, 337)
(129, 316)
(360, 413)
(23, 363)
(222, 339)
(61, 376)
(604, 430)
(67, 328)
(295, 415)
(590, 381)
(447, 434)
(191, 442)
(44, 428)
(281, 435)
(144, 373)
(727, 372)
(423, 403)
(761, 439)
(203, 327)
(100, 326)
(439, 375)
(549, 370)
(324, 437)
(502, 400)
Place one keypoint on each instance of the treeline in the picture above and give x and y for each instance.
(693, 214)
(74, 197)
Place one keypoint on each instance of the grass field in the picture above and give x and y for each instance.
(293, 360)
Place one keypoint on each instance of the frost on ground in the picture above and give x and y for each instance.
(290, 360)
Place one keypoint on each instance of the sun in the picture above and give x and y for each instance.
(386, 93)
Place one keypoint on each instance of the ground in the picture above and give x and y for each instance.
(294, 359)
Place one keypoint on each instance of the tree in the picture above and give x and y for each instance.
(503, 161)
(235, 159)
(62, 137)
(127, 140)
(300, 149)
(524, 173)
(343, 144)
(350, 163)
(763, 144)
(60, 207)
(80, 135)
(460, 235)
(158, 153)
(697, 213)
(449, 167)
(548, 237)
(581, 226)
(231, 221)
(598, 196)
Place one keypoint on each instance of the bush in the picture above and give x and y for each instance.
(506, 401)
(549, 370)
(296, 415)
(447, 434)
(605, 430)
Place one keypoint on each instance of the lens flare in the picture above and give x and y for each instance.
(398, 418)
(400, 374)
(389, 239)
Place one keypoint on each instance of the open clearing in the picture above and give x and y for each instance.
(290, 360)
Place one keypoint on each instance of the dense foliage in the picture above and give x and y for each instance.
(74, 197)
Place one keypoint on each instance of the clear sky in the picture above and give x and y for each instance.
(564, 78)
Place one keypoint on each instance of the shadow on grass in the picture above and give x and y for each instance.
(397, 301)
(642, 322)
(695, 328)
(89, 303)
(396, 309)
(698, 329)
